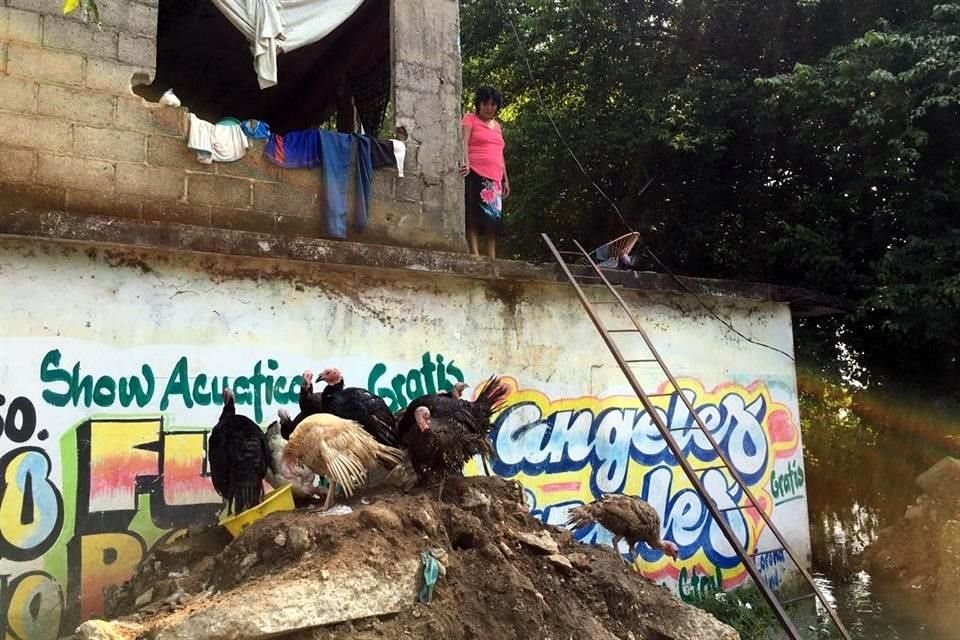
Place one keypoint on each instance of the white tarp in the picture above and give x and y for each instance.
(283, 25)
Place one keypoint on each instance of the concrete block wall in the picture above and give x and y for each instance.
(77, 139)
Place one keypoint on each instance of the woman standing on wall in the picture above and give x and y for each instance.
(484, 169)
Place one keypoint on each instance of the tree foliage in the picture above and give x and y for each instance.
(802, 142)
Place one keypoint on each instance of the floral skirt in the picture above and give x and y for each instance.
(483, 202)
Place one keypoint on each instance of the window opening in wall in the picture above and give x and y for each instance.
(343, 78)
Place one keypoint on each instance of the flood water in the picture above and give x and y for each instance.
(849, 504)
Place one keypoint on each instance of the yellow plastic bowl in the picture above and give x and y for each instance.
(277, 500)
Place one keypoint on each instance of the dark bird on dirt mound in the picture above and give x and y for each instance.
(627, 518)
(310, 403)
(359, 405)
(339, 450)
(440, 447)
(238, 456)
(472, 416)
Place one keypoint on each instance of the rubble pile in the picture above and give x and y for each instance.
(495, 571)
(922, 550)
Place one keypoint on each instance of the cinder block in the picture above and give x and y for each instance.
(76, 173)
(28, 197)
(242, 220)
(19, 26)
(44, 65)
(284, 199)
(80, 37)
(138, 50)
(172, 151)
(136, 114)
(297, 226)
(218, 191)
(253, 166)
(17, 165)
(38, 133)
(76, 105)
(115, 77)
(103, 204)
(129, 17)
(304, 179)
(48, 7)
(176, 212)
(153, 182)
(18, 95)
(384, 181)
(109, 144)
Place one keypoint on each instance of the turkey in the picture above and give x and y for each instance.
(359, 405)
(472, 416)
(338, 449)
(300, 478)
(627, 518)
(456, 392)
(442, 446)
(310, 403)
(238, 457)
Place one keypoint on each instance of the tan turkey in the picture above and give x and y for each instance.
(627, 518)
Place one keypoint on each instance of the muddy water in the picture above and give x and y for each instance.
(849, 504)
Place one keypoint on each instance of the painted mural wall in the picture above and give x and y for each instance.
(112, 364)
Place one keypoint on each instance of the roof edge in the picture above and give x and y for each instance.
(172, 237)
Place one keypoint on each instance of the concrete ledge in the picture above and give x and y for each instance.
(123, 232)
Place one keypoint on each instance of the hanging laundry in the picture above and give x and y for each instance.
(273, 26)
(332, 152)
(295, 150)
(364, 181)
(256, 129)
(337, 148)
(216, 142)
(386, 153)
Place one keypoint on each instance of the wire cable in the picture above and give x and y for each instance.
(540, 101)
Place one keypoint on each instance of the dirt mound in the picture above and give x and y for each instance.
(304, 575)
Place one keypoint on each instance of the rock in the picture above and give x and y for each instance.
(561, 562)
(473, 499)
(144, 598)
(380, 518)
(103, 630)
(948, 576)
(942, 480)
(423, 521)
(540, 541)
(298, 540)
(248, 561)
(505, 548)
(282, 607)
(913, 512)
(580, 562)
(280, 539)
(192, 547)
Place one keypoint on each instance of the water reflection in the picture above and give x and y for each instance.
(849, 504)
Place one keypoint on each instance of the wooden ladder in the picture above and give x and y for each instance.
(776, 605)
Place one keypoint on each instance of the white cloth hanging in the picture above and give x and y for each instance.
(273, 26)
(216, 142)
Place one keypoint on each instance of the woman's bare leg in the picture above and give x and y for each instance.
(491, 244)
(472, 241)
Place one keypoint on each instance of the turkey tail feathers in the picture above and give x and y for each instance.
(494, 393)
(580, 517)
(246, 497)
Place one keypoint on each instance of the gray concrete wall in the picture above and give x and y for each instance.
(77, 139)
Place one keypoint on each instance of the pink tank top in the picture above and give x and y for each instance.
(485, 147)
